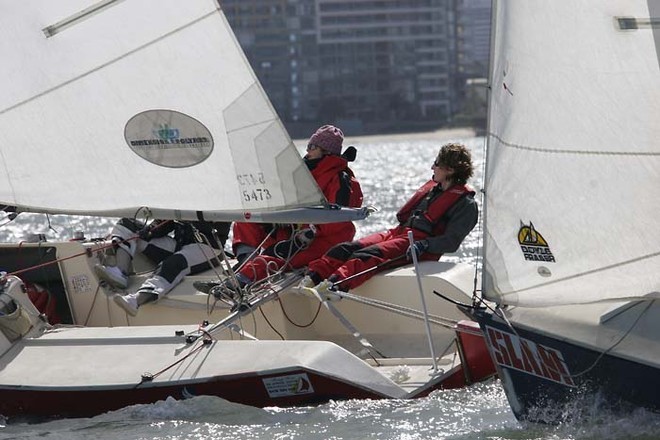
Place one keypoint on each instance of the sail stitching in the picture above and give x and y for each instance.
(106, 64)
(576, 152)
(589, 272)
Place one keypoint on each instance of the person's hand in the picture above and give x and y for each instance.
(304, 237)
(418, 247)
(285, 249)
(145, 233)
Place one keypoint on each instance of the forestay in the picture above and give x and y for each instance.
(110, 106)
(573, 171)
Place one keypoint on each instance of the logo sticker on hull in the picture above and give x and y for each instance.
(80, 283)
(290, 385)
(524, 355)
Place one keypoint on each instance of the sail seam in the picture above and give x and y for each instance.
(106, 64)
(576, 152)
(582, 274)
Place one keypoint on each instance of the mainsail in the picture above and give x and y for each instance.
(573, 167)
(109, 107)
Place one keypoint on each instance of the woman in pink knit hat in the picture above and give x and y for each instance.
(294, 246)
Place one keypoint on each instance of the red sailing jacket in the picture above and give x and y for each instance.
(328, 176)
(436, 209)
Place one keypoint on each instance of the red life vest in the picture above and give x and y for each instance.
(356, 197)
(436, 209)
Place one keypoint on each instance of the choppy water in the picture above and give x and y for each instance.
(389, 170)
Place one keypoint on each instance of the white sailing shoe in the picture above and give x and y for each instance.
(112, 275)
(127, 302)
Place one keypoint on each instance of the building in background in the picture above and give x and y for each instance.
(473, 37)
(365, 65)
(473, 20)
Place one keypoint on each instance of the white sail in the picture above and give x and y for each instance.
(573, 174)
(110, 106)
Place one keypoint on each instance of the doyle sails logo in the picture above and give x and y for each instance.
(168, 138)
(533, 245)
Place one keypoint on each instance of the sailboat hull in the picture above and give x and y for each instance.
(66, 371)
(86, 371)
(246, 389)
(552, 379)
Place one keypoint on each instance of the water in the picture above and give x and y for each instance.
(390, 169)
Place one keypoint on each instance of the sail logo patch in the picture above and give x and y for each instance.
(168, 138)
(521, 354)
(533, 245)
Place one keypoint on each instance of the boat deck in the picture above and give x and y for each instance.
(411, 374)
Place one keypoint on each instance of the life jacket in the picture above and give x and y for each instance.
(425, 209)
(356, 197)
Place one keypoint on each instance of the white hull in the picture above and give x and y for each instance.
(287, 342)
(90, 302)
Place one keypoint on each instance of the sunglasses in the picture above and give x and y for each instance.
(439, 164)
(311, 147)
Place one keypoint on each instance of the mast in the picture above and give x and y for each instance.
(484, 185)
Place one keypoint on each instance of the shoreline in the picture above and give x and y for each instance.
(440, 135)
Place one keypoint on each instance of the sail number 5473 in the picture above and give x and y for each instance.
(254, 187)
(256, 195)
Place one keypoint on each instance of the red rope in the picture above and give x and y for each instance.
(15, 273)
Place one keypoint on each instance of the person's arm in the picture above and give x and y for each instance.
(10, 210)
(157, 229)
(343, 196)
(461, 220)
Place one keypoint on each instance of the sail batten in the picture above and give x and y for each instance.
(573, 177)
(58, 27)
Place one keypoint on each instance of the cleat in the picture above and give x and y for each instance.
(228, 288)
(223, 291)
(112, 275)
(305, 283)
(327, 291)
(128, 303)
(240, 307)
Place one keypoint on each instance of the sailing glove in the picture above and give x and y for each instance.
(418, 247)
(145, 233)
(304, 237)
(285, 249)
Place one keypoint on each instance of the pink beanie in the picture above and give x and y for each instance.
(329, 138)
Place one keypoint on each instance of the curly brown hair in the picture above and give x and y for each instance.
(457, 157)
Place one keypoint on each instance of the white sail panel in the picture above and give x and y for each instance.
(573, 173)
(203, 136)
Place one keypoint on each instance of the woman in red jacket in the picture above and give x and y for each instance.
(440, 215)
(262, 249)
